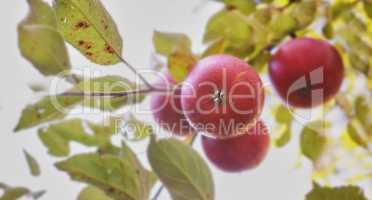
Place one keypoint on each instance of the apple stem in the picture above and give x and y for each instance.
(218, 96)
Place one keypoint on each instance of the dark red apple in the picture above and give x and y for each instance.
(167, 110)
(306, 72)
(239, 153)
(222, 96)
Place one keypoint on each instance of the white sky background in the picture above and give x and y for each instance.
(276, 178)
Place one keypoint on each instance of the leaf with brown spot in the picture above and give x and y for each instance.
(89, 22)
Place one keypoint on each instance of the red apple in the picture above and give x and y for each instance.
(306, 72)
(239, 153)
(167, 110)
(222, 96)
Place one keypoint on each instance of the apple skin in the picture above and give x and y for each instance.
(306, 72)
(167, 110)
(211, 101)
(240, 153)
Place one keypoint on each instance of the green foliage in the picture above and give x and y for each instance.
(232, 26)
(181, 170)
(40, 42)
(92, 193)
(338, 193)
(89, 27)
(57, 137)
(180, 64)
(169, 43)
(56, 107)
(244, 28)
(14, 193)
(136, 130)
(283, 117)
(368, 7)
(245, 6)
(122, 177)
(32, 164)
(314, 139)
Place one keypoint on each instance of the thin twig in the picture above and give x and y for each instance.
(133, 69)
(109, 94)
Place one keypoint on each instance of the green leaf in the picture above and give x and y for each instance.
(368, 7)
(120, 177)
(216, 47)
(304, 12)
(337, 193)
(168, 43)
(56, 107)
(285, 135)
(313, 140)
(181, 170)
(363, 111)
(283, 115)
(136, 130)
(45, 110)
(14, 193)
(261, 61)
(245, 6)
(180, 64)
(89, 27)
(109, 84)
(92, 193)
(57, 137)
(281, 25)
(40, 42)
(32, 164)
(358, 133)
(234, 29)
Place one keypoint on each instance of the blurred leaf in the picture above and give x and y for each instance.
(363, 111)
(57, 137)
(14, 193)
(281, 24)
(109, 84)
(47, 109)
(285, 135)
(182, 171)
(368, 7)
(120, 177)
(234, 29)
(304, 13)
(37, 87)
(261, 60)
(32, 164)
(328, 30)
(245, 6)
(180, 64)
(358, 133)
(216, 47)
(92, 193)
(283, 115)
(89, 27)
(337, 193)
(40, 42)
(56, 107)
(136, 130)
(168, 43)
(313, 139)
